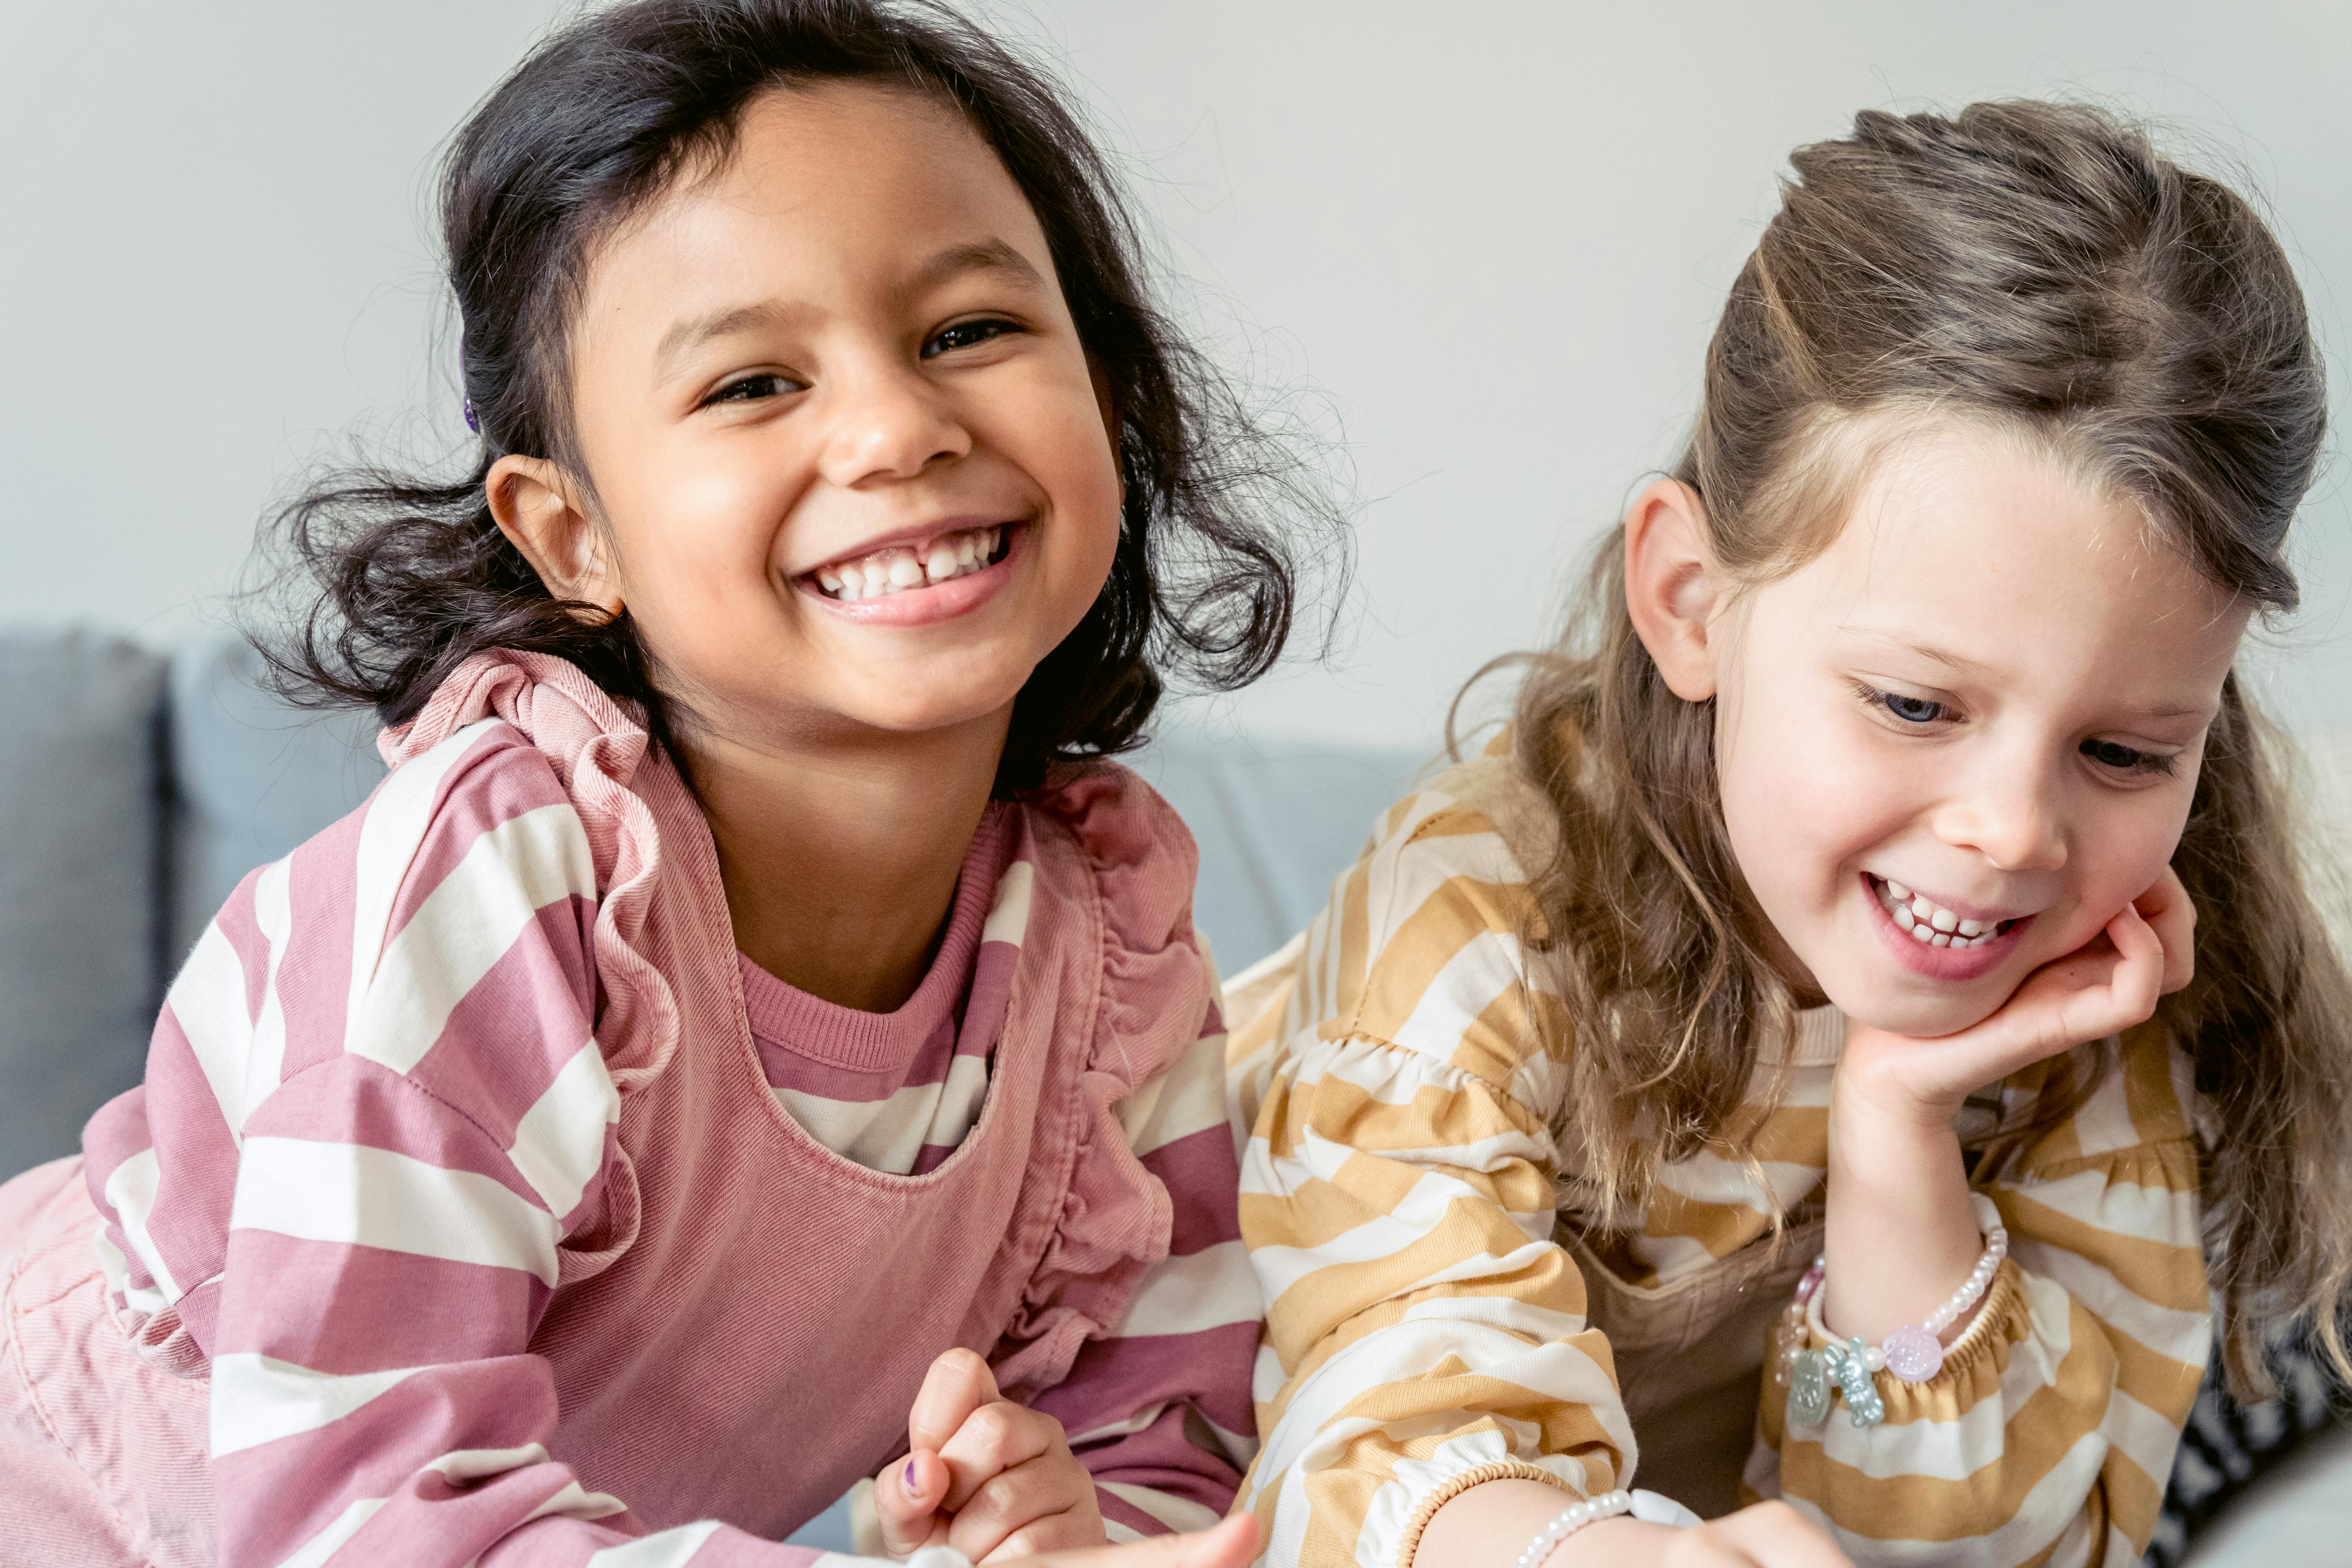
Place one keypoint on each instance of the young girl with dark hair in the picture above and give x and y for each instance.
(752, 1034)
(1874, 968)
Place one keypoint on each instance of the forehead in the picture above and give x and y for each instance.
(1978, 542)
(830, 192)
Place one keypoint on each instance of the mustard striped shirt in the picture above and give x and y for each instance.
(1439, 1314)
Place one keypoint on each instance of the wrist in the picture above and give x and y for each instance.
(1866, 1101)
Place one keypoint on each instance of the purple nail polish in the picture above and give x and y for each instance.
(911, 1478)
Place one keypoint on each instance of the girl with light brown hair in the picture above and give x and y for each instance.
(1873, 971)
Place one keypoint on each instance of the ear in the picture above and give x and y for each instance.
(535, 509)
(1672, 586)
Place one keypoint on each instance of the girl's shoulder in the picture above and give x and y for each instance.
(1472, 835)
(1124, 857)
(1422, 946)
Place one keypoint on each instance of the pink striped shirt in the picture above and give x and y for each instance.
(404, 1181)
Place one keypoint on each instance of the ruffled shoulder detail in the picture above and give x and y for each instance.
(1157, 999)
(597, 749)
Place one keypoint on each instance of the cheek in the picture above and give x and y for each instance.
(2125, 851)
(1801, 796)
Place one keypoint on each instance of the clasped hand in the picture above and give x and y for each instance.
(992, 1479)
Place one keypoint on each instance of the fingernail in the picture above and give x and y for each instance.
(911, 1478)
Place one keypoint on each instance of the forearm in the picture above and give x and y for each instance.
(1490, 1524)
(1901, 1232)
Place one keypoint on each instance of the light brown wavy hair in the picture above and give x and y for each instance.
(2041, 269)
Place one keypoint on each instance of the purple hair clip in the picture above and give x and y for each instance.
(472, 423)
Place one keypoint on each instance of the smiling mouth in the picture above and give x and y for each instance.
(901, 569)
(1929, 923)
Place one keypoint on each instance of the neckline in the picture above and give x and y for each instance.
(782, 1016)
(1818, 1040)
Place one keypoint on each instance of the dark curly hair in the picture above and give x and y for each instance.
(402, 578)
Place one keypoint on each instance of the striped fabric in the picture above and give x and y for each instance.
(898, 1092)
(375, 1111)
(1400, 1065)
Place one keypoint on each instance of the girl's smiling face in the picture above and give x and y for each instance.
(851, 471)
(1990, 692)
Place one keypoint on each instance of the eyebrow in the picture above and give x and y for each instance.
(1960, 664)
(956, 261)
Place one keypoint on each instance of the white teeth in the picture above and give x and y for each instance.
(1931, 922)
(897, 569)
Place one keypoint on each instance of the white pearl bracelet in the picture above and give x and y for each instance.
(1573, 1517)
(1914, 1353)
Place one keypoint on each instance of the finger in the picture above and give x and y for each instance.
(1052, 1486)
(993, 1439)
(1777, 1534)
(1230, 1545)
(2137, 982)
(2168, 907)
(1070, 1532)
(958, 1384)
(906, 1501)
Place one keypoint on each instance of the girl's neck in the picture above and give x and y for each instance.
(840, 861)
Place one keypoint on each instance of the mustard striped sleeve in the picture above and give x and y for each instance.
(2048, 1436)
(1423, 1333)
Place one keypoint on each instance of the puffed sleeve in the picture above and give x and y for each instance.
(376, 1124)
(2048, 1436)
(1424, 1332)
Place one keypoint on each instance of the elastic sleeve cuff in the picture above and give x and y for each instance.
(1445, 1491)
(1998, 1319)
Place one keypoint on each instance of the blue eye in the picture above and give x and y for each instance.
(1911, 709)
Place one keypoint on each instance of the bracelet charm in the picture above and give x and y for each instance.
(1914, 1353)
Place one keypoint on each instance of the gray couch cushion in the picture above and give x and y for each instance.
(80, 789)
(252, 777)
(1276, 823)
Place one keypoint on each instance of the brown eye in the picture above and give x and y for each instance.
(751, 388)
(965, 335)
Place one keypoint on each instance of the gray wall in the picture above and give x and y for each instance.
(1492, 234)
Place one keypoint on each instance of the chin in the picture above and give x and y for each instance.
(1920, 1018)
(900, 713)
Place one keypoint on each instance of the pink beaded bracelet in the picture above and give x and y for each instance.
(1913, 1353)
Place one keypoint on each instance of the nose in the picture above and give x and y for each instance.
(886, 422)
(2009, 809)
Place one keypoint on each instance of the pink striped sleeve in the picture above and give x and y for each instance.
(1159, 1412)
(374, 1109)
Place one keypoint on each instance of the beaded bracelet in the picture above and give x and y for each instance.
(1913, 1353)
(1573, 1517)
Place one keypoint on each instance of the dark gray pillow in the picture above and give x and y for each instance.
(80, 871)
(252, 777)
